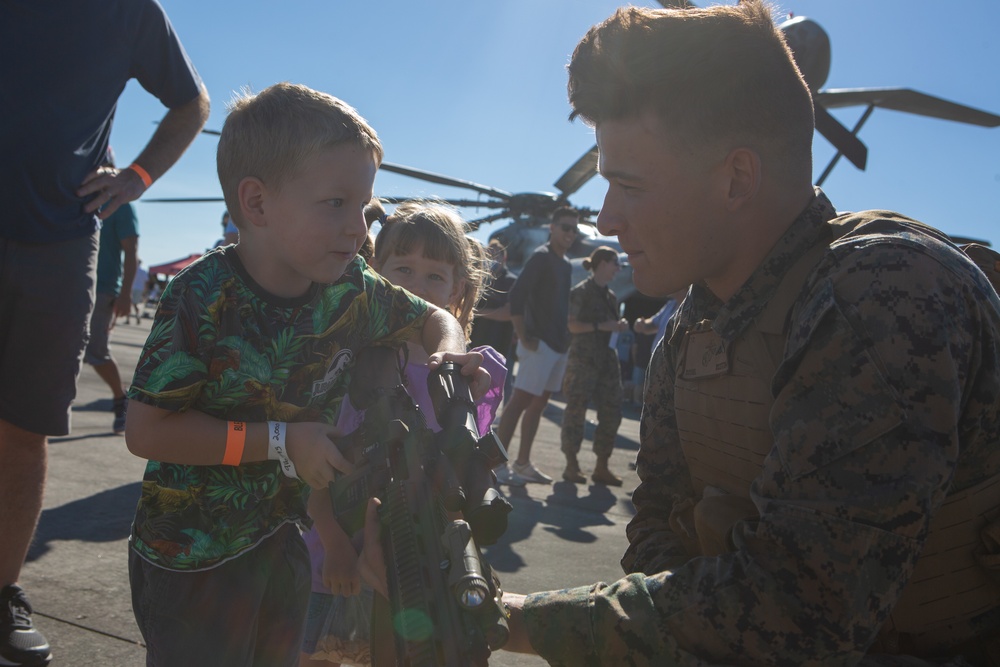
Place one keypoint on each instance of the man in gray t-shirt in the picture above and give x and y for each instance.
(539, 309)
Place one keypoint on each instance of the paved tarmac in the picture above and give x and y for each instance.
(76, 575)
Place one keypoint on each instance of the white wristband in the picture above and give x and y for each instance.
(276, 448)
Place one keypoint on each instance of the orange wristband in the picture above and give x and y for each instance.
(143, 174)
(236, 438)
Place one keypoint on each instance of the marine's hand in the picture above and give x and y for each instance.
(340, 571)
(478, 377)
(622, 325)
(371, 562)
(312, 448)
(111, 188)
(518, 642)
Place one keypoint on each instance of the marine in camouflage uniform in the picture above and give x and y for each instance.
(881, 422)
(592, 373)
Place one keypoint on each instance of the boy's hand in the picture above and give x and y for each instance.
(479, 378)
(340, 572)
(314, 452)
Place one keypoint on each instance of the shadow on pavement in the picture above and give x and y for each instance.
(102, 517)
(555, 514)
(98, 405)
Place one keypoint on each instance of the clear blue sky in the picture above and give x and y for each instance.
(477, 90)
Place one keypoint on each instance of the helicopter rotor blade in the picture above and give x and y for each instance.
(182, 200)
(443, 180)
(214, 133)
(841, 138)
(459, 203)
(474, 224)
(577, 176)
(908, 101)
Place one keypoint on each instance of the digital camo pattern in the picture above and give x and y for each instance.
(220, 345)
(888, 395)
(593, 373)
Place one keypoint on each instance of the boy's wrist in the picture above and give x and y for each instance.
(276, 450)
(236, 437)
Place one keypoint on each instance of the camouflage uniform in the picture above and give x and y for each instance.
(592, 371)
(886, 399)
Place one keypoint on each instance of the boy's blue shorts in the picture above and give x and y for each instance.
(247, 611)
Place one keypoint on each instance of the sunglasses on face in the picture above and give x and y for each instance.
(569, 228)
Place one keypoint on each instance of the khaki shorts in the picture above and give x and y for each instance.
(46, 295)
(539, 371)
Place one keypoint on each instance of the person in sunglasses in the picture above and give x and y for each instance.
(539, 309)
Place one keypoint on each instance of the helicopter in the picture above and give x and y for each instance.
(528, 213)
(810, 46)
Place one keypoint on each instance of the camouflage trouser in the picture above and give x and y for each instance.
(600, 381)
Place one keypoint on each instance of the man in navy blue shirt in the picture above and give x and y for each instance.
(66, 64)
(539, 310)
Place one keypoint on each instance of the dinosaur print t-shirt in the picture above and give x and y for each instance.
(222, 345)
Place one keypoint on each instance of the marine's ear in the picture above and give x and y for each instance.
(742, 168)
(251, 194)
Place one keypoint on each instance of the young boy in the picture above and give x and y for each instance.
(241, 378)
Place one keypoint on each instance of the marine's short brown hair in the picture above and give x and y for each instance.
(721, 74)
(267, 135)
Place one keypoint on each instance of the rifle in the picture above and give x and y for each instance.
(444, 607)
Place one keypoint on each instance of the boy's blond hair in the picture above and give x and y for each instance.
(439, 231)
(268, 135)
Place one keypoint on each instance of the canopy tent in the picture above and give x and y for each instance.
(174, 267)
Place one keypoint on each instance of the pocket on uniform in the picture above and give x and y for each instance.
(832, 395)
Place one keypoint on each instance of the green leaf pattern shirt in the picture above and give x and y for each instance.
(222, 345)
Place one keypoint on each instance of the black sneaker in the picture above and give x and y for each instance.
(20, 642)
(121, 405)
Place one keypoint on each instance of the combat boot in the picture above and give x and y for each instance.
(603, 475)
(572, 472)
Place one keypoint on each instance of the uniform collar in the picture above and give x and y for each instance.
(731, 318)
